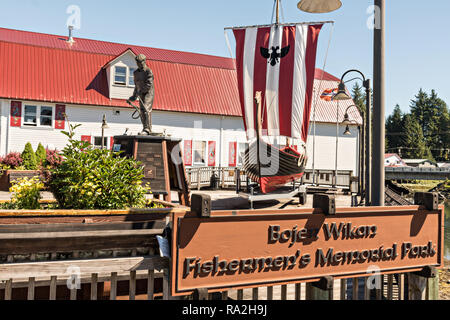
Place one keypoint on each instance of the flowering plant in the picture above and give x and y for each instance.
(26, 193)
(12, 160)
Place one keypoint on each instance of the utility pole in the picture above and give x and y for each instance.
(378, 176)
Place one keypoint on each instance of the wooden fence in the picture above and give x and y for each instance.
(201, 178)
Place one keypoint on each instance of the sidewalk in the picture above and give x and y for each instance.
(229, 200)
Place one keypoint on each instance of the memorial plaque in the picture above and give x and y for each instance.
(160, 171)
(272, 247)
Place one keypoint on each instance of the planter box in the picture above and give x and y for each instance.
(99, 241)
(11, 175)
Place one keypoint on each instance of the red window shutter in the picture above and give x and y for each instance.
(232, 154)
(60, 120)
(187, 153)
(111, 143)
(16, 114)
(211, 153)
(86, 138)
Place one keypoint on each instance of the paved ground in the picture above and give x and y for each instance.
(229, 200)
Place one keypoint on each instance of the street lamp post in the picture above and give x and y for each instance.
(379, 129)
(342, 95)
(347, 132)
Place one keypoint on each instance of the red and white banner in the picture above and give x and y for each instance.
(60, 119)
(86, 139)
(211, 153)
(16, 114)
(187, 153)
(232, 155)
(280, 62)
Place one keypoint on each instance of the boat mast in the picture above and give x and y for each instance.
(258, 101)
(278, 12)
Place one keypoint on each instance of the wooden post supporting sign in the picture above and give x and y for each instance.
(424, 285)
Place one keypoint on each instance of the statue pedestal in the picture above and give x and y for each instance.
(163, 163)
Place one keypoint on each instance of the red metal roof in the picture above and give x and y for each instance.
(48, 70)
(325, 76)
(43, 67)
(112, 49)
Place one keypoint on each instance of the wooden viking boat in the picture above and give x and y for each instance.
(285, 165)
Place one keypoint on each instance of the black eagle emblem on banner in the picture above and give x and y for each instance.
(274, 56)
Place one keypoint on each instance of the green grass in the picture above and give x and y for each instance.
(421, 185)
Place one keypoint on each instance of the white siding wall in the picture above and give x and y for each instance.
(325, 148)
(185, 126)
(180, 125)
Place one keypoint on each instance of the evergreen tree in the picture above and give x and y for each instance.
(438, 126)
(419, 109)
(432, 114)
(359, 98)
(29, 157)
(394, 129)
(41, 154)
(413, 140)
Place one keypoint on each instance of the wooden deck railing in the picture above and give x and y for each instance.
(200, 177)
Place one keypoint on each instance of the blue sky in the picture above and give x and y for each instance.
(417, 38)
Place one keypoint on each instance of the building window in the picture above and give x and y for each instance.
(131, 76)
(30, 116)
(38, 116)
(120, 76)
(241, 153)
(46, 116)
(199, 151)
(98, 142)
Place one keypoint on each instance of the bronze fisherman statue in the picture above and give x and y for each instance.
(145, 91)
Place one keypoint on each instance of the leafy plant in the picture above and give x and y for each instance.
(53, 158)
(91, 178)
(12, 160)
(41, 154)
(29, 157)
(26, 193)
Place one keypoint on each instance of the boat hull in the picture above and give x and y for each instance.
(275, 167)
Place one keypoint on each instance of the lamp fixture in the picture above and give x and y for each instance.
(319, 6)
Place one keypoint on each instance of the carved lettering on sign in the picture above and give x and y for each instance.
(150, 172)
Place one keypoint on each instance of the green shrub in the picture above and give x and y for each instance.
(29, 158)
(96, 179)
(26, 193)
(41, 154)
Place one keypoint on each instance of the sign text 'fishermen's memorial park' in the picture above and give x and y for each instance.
(252, 248)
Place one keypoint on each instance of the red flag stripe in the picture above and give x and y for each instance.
(260, 73)
(286, 82)
(240, 40)
(310, 65)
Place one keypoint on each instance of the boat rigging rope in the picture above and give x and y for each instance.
(318, 93)
(315, 103)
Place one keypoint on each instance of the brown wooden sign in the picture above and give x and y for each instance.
(272, 247)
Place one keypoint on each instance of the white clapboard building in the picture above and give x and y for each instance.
(44, 76)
